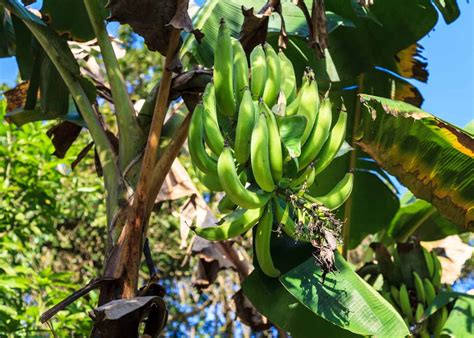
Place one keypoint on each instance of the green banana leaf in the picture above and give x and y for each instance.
(272, 300)
(428, 155)
(419, 218)
(460, 322)
(344, 299)
(442, 299)
(70, 18)
(7, 35)
(54, 99)
(449, 9)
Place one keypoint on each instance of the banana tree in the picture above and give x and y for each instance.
(342, 41)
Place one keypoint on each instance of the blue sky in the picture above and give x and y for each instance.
(449, 93)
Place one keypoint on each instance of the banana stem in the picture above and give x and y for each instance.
(346, 230)
(131, 136)
(124, 261)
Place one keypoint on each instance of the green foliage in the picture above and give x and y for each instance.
(45, 213)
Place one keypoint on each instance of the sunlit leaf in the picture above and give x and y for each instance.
(431, 157)
(344, 299)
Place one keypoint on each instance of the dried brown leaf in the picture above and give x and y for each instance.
(122, 317)
(16, 97)
(154, 21)
(248, 314)
(63, 136)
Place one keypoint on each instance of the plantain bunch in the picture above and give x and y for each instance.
(410, 286)
(236, 144)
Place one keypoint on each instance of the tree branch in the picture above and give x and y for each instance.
(130, 133)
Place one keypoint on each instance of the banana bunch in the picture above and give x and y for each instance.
(236, 147)
(411, 302)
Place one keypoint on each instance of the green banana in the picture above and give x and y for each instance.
(212, 133)
(197, 150)
(306, 178)
(226, 205)
(428, 261)
(232, 186)
(318, 136)
(430, 292)
(241, 70)
(395, 294)
(276, 154)
(233, 225)
(259, 155)
(405, 303)
(424, 332)
(209, 99)
(224, 72)
(332, 144)
(243, 131)
(420, 290)
(262, 244)
(337, 196)
(258, 72)
(210, 181)
(437, 321)
(309, 104)
(288, 81)
(419, 312)
(292, 108)
(272, 85)
(438, 270)
(388, 298)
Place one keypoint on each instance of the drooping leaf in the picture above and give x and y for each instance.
(460, 322)
(7, 35)
(411, 64)
(272, 300)
(380, 82)
(344, 299)
(431, 157)
(70, 19)
(25, 50)
(398, 24)
(449, 9)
